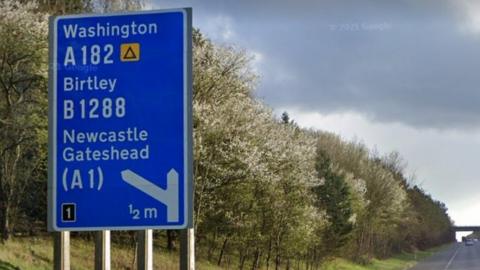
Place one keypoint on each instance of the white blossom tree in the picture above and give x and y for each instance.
(23, 72)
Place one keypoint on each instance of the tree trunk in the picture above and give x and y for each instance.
(277, 251)
(222, 251)
(242, 261)
(314, 259)
(5, 222)
(277, 261)
(256, 259)
(212, 246)
(306, 258)
(8, 174)
(134, 240)
(269, 254)
(199, 199)
(170, 240)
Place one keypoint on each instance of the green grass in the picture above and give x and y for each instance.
(36, 253)
(399, 262)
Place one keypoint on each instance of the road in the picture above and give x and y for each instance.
(456, 257)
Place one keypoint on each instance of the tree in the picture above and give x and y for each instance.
(117, 5)
(335, 197)
(59, 7)
(23, 68)
(252, 173)
(267, 192)
(285, 118)
(63, 7)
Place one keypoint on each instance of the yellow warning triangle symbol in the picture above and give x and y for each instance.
(129, 54)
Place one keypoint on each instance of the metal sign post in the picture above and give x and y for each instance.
(187, 249)
(61, 251)
(102, 250)
(145, 250)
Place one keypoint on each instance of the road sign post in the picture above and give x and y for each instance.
(120, 136)
(102, 250)
(187, 249)
(145, 250)
(61, 251)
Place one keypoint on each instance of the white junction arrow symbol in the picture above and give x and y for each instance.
(168, 196)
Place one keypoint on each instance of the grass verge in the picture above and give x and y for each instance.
(36, 253)
(401, 261)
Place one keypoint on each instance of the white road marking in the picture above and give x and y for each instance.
(451, 259)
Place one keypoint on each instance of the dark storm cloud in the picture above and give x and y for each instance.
(413, 62)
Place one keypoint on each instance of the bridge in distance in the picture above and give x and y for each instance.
(466, 228)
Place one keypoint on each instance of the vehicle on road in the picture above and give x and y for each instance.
(469, 242)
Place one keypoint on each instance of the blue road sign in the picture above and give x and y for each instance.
(120, 136)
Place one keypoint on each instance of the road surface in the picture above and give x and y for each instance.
(456, 257)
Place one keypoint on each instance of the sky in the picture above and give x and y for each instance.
(398, 75)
